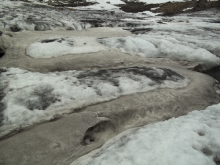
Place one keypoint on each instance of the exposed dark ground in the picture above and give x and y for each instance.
(214, 72)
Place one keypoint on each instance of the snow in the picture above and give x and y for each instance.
(110, 4)
(100, 6)
(115, 2)
(33, 97)
(192, 139)
(189, 8)
(54, 47)
(158, 1)
(150, 13)
(26, 17)
(103, 5)
(156, 46)
(154, 8)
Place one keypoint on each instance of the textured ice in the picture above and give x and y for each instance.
(32, 97)
(54, 47)
(174, 46)
(192, 139)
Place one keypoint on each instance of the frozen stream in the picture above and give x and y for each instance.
(72, 80)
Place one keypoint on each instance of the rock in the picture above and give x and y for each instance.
(1, 33)
(214, 72)
(2, 52)
(15, 28)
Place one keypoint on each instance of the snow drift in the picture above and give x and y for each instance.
(192, 139)
(156, 46)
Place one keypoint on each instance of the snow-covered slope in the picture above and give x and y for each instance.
(192, 139)
(32, 97)
(165, 45)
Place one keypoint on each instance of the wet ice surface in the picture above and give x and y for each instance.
(192, 139)
(34, 97)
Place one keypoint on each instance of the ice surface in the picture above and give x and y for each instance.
(54, 47)
(34, 97)
(156, 45)
(192, 139)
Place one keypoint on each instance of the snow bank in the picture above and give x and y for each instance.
(192, 139)
(54, 47)
(155, 46)
(34, 97)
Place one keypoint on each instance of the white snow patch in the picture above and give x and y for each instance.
(155, 8)
(159, 1)
(33, 97)
(189, 8)
(63, 46)
(103, 5)
(115, 2)
(150, 13)
(192, 139)
(164, 46)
